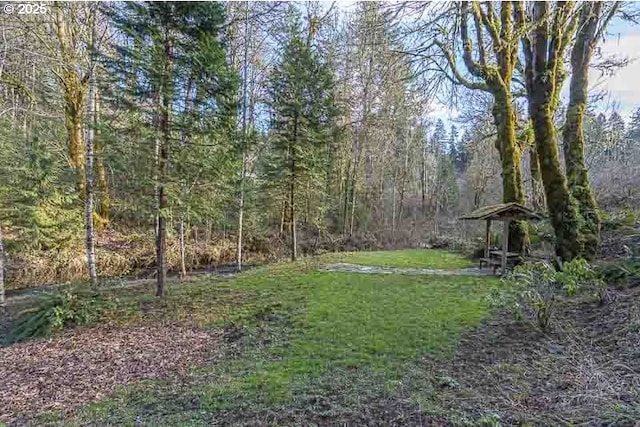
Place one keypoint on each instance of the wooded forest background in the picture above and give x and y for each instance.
(151, 137)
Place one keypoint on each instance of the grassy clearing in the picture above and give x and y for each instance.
(299, 345)
(412, 258)
(298, 337)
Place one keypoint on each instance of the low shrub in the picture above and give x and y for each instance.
(55, 311)
(621, 273)
(533, 289)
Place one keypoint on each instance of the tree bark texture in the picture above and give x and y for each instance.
(100, 170)
(2, 257)
(573, 133)
(90, 243)
(163, 157)
(74, 88)
(543, 54)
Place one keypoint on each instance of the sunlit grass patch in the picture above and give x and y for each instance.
(414, 258)
(298, 328)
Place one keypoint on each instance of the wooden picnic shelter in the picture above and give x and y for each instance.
(505, 212)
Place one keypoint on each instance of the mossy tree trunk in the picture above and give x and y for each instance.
(511, 160)
(493, 73)
(537, 189)
(101, 172)
(544, 51)
(74, 87)
(591, 24)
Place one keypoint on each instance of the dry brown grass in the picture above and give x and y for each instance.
(585, 372)
(119, 254)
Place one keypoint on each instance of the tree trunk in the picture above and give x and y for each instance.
(161, 240)
(543, 53)
(240, 215)
(73, 89)
(74, 120)
(403, 180)
(393, 206)
(161, 215)
(294, 242)
(2, 297)
(353, 205)
(163, 157)
(423, 179)
(573, 134)
(244, 140)
(537, 190)
(292, 182)
(562, 210)
(181, 241)
(101, 173)
(381, 200)
(90, 244)
(511, 159)
(283, 213)
(156, 176)
(345, 213)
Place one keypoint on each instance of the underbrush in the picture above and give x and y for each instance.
(54, 311)
(534, 289)
(121, 254)
(583, 371)
(621, 273)
(131, 252)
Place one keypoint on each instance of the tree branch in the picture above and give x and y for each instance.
(467, 47)
(489, 23)
(457, 74)
(521, 31)
(480, 41)
(605, 22)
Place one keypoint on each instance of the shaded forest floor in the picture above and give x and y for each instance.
(289, 344)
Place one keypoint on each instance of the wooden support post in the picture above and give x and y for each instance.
(487, 240)
(505, 244)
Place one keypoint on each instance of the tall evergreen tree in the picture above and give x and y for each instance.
(633, 130)
(301, 103)
(181, 86)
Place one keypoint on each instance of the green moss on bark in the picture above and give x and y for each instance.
(511, 161)
(573, 134)
(563, 210)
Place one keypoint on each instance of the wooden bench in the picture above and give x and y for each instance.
(495, 260)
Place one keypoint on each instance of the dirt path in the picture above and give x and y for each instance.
(368, 269)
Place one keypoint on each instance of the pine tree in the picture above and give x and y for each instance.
(633, 131)
(172, 59)
(616, 135)
(301, 104)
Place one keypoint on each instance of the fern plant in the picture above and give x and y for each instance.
(54, 312)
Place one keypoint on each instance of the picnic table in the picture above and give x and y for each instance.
(495, 259)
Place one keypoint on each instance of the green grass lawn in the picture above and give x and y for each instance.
(303, 334)
(416, 258)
